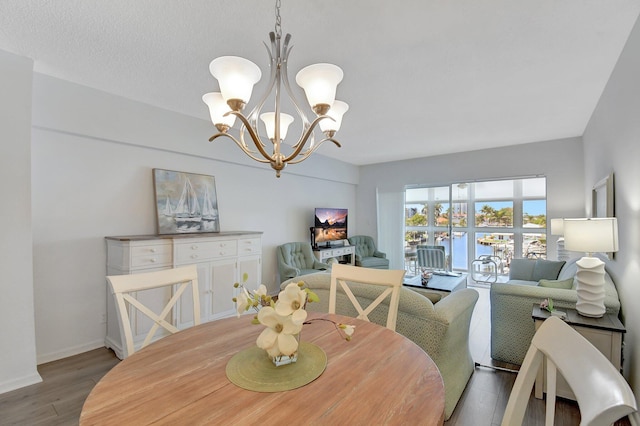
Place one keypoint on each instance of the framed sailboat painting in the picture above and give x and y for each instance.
(185, 202)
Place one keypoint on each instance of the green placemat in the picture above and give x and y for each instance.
(252, 369)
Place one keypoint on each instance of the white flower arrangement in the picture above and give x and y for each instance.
(283, 318)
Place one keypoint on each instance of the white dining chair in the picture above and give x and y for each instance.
(602, 393)
(124, 288)
(389, 278)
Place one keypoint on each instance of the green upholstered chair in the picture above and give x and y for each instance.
(296, 259)
(367, 255)
(440, 329)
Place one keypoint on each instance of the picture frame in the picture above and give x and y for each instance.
(603, 201)
(602, 198)
(185, 202)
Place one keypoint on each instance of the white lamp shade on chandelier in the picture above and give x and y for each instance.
(336, 112)
(593, 235)
(218, 108)
(269, 120)
(320, 82)
(236, 77)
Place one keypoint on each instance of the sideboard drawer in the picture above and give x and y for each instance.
(195, 251)
(144, 256)
(247, 246)
(139, 255)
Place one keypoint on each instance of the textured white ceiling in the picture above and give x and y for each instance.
(422, 77)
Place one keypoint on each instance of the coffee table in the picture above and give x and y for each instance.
(443, 283)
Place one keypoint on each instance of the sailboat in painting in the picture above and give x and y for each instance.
(209, 214)
(188, 215)
(168, 210)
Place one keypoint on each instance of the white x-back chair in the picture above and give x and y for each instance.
(125, 286)
(392, 279)
(602, 393)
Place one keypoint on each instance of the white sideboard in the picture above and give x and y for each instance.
(324, 254)
(222, 259)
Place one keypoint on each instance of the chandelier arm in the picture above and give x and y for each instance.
(310, 151)
(303, 140)
(253, 134)
(242, 147)
(255, 112)
(287, 87)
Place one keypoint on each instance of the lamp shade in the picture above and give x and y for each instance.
(595, 235)
(269, 120)
(217, 108)
(557, 227)
(236, 76)
(336, 112)
(320, 82)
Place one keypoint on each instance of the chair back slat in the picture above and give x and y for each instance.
(126, 287)
(345, 274)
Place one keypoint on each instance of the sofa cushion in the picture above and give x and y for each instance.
(522, 282)
(565, 284)
(547, 269)
(521, 269)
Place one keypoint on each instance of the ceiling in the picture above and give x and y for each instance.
(422, 78)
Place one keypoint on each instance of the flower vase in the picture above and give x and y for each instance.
(280, 360)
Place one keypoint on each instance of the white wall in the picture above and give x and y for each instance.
(560, 161)
(93, 155)
(612, 144)
(18, 349)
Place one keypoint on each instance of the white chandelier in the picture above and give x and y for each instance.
(236, 77)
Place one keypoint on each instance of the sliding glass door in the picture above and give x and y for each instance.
(501, 218)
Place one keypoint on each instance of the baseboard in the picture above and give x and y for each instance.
(54, 356)
(14, 384)
(114, 346)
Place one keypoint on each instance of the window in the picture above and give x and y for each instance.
(502, 218)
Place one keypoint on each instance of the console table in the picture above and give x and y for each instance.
(604, 333)
(324, 254)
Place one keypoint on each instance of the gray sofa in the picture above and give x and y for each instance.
(442, 330)
(512, 327)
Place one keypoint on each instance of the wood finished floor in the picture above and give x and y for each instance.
(66, 383)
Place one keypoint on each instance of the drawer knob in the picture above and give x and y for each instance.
(153, 250)
(153, 260)
(194, 256)
(194, 247)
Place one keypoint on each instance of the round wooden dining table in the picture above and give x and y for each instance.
(378, 378)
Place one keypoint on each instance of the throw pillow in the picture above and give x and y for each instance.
(563, 284)
(547, 269)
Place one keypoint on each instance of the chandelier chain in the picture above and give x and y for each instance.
(278, 28)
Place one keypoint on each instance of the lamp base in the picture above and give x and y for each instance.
(590, 288)
(562, 253)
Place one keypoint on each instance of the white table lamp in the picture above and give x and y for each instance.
(596, 235)
(557, 228)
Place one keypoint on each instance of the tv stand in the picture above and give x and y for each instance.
(323, 253)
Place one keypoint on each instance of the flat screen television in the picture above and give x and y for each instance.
(330, 225)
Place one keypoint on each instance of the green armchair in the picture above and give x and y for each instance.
(441, 329)
(367, 255)
(296, 259)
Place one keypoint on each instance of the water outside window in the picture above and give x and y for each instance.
(509, 220)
